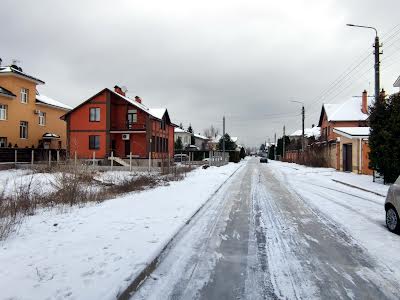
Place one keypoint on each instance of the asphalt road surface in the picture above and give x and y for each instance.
(257, 239)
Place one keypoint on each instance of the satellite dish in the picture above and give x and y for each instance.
(124, 89)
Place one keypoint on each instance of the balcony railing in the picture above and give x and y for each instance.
(128, 126)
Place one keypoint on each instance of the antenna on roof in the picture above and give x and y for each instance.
(0, 61)
(124, 89)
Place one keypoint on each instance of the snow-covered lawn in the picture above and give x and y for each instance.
(358, 212)
(94, 252)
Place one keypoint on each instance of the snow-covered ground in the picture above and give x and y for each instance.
(94, 252)
(358, 212)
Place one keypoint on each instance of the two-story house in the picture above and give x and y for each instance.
(111, 122)
(346, 149)
(28, 118)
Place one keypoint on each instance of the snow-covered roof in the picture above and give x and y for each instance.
(5, 92)
(349, 110)
(234, 139)
(49, 135)
(180, 130)
(49, 101)
(199, 136)
(157, 112)
(308, 132)
(397, 82)
(14, 70)
(352, 132)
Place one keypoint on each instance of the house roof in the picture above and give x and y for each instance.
(308, 132)
(397, 82)
(180, 130)
(18, 71)
(40, 98)
(5, 92)
(352, 132)
(199, 136)
(349, 110)
(155, 113)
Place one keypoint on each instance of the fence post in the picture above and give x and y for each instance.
(94, 156)
(130, 161)
(75, 158)
(32, 156)
(58, 157)
(15, 157)
(49, 157)
(112, 160)
(149, 162)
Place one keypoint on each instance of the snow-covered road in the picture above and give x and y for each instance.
(282, 232)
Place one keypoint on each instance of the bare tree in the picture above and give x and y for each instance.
(211, 132)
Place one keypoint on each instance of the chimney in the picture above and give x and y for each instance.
(138, 99)
(118, 90)
(364, 102)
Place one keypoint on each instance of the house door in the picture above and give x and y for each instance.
(347, 157)
(127, 147)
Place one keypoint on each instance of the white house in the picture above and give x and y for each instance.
(201, 141)
(184, 135)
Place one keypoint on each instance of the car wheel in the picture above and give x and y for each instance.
(392, 220)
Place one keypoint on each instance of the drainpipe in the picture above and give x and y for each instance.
(360, 159)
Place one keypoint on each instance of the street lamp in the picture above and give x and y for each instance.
(302, 117)
(377, 62)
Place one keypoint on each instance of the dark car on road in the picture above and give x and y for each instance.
(263, 160)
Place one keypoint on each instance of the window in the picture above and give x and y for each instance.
(3, 142)
(24, 95)
(131, 117)
(23, 129)
(94, 114)
(42, 118)
(3, 112)
(94, 142)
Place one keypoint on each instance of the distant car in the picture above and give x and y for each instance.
(180, 157)
(263, 160)
(392, 207)
(206, 159)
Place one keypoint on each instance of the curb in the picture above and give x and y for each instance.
(357, 187)
(137, 282)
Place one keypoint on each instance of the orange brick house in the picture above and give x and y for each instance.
(27, 117)
(344, 133)
(111, 122)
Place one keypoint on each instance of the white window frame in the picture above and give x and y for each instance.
(24, 95)
(3, 112)
(23, 129)
(132, 112)
(95, 115)
(42, 118)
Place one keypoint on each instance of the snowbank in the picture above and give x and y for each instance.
(94, 252)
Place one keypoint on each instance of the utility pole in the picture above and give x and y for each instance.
(283, 143)
(223, 137)
(377, 53)
(303, 112)
(275, 146)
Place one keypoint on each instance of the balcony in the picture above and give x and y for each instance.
(128, 126)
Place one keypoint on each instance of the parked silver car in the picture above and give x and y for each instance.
(392, 207)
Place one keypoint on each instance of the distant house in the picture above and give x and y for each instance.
(111, 122)
(344, 129)
(201, 141)
(351, 113)
(184, 135)
(314, 131)
(213, 143)
(27, 117)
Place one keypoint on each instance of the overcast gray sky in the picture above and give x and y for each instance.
(204, 59)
